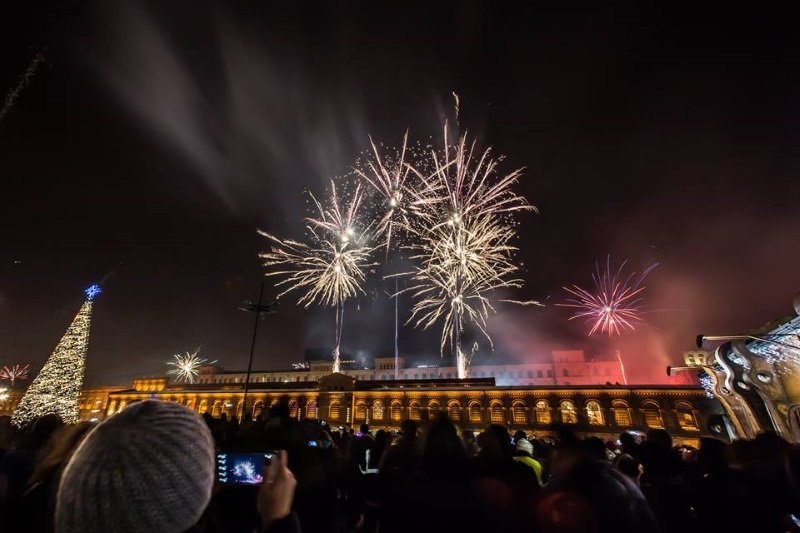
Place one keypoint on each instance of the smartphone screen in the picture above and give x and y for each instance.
(241, 468)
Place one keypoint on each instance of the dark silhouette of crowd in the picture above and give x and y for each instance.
(151, 467)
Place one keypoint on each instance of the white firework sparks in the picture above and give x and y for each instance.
(331, 267)
(393, 175)
(463, 243)
(187, 366)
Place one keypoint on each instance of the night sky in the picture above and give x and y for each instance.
(156, 138)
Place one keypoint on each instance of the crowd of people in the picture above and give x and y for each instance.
(152, 467)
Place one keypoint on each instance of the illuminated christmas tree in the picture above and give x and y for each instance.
(57, 388)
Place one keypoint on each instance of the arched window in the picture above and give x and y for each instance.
(622, 415)
(413, 410)
(112, 406)
(530, 374)
(203, 406)
(539, 374)
(334, 410)
(258, 408)
(190, 403)
(416, 375)
(361, 410)
(239, 407)
(568, 413)
(454, 410)
(652, 415)
(449, 375)
(475, 412)
(216, 409)
(686, 417)
(518, 412)
(543, 412)
(424, 375)
(311, 410)
(565, 372)
(377, 410)
(397, 410)
(496, 411)
(595, 413)
(433, 409)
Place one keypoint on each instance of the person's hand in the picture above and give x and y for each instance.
(277, 491)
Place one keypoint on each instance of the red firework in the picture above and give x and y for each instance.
(615, 304)
(14, 373)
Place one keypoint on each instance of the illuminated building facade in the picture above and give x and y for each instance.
(340, 399)
(567, 367)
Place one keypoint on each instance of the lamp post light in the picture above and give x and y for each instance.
(702, 339)
(259, 309)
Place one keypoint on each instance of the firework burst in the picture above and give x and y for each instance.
(187, 366)
(388, 177)
(462, 242)
(14, 373)
(615, 304)
(332, 266)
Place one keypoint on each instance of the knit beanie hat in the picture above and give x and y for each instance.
(148, 468)
(524, 445)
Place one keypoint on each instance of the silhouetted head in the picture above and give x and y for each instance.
(712, 455)
(442, 450)
(660, 437)
(590, 496)
(408, 429)
(594, 448)
(523, 446)
(627, 465)
(502, 437)
(364, 429)
(627, 440)
(44, 426)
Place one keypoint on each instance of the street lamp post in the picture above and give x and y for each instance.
(258, 309)
(701, 339)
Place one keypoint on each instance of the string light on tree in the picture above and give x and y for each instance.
(57, 388)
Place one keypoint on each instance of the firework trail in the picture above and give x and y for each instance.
(388, 172)
(14, 373)
(23, 82)
(331, 267)
(615, 304)
(462, 242)
(187, 366)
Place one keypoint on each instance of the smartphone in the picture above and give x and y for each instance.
(242, 468)
(312, 443)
